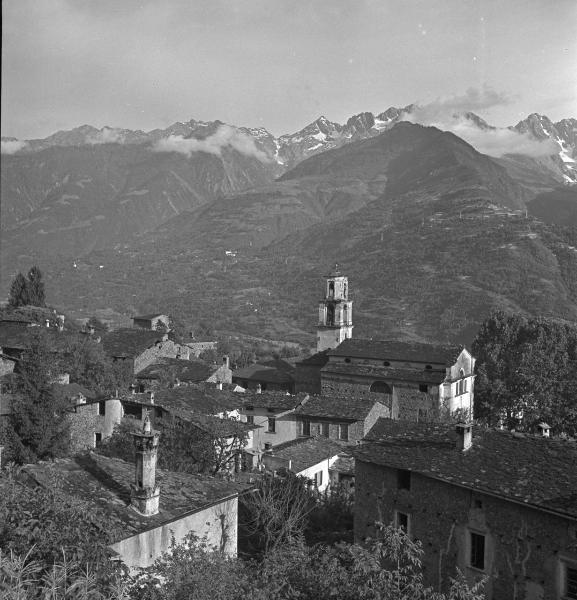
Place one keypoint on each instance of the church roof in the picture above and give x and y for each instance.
(395, 350)
(536, 471)
(390, 374)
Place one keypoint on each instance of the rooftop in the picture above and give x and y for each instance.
(394, 350)
(128, 342)
(277, 401)
(265, 373)
(222, 428)
(387, 373)
(307, 452)
(337, 407)
(320, 358)
(70, 390)
(536, 471)
(105, 482)
(185, 370)
(148, 317)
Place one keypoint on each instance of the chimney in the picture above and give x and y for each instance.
(144, 493)
(464, 436)
(226, 362)
(258, 388)
(544, 429)
(47, 322)
(219, 385)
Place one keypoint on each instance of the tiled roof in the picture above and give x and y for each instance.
(221, 427)
(69, 390)
(263, 373)
(536, 471)
(387, 373)
(320, 358)
(185, 370)
(195, 400)
(344, 464)
(280, 401)
(307, 452)
(105, 482)
(346, 407)
(394, 350)
(128, 342)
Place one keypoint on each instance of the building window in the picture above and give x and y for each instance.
(347, 360)
(428, 367)
(324, 429)
(477, 554)
(386, 363)
(97, 439)
(271, 425)
(318, 478)
(344, 432)
(403, 479)
(569, 581)
(102, 408)
(250, 419)
(461, 386)
(402, 521)
(306, 427)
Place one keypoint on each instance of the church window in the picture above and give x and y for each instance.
(331, 289)
(330, 315)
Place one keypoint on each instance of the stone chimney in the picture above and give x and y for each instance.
(258, 388)
(226, 362)
(144, 493)
(544, 429)
(464, 436)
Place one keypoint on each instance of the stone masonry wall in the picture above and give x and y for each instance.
(167, 349)
(523, 545)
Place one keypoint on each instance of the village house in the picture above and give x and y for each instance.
(152, 322)
(311, 458)
(273, 375)
(343, 418)
(146, 507)
(490, 502)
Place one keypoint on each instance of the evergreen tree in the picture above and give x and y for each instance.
(36, 293)
(19, 292)
(39, 428)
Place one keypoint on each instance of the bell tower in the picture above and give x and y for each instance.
(335, 312)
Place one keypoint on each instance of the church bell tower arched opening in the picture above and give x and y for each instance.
(335, 312)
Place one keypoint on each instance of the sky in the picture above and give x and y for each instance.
(280, 64)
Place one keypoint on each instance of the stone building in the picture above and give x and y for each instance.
(146, 507)
(489, 502)
(343, 418)
(152, 322)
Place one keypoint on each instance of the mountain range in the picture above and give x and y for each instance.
(235, 226)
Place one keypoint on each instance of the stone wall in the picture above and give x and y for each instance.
(523, 546)
(217, 524)
(166, 348)
(6, 366)
(86, 421)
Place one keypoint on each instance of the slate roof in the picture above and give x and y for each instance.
(193, 371)
(536, 471)
(128, 342)
(394, 350)
(105, 483)
(221, 427)
(344, 464)
(350, 408)
(387, 373)
(193, 400)
(307, 452)
(320, 358)
(70, 390)
(279, 401)
(259, 372)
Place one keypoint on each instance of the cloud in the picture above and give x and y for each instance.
(107, 135)
(450, 114)
(224, 136)
(12, 146)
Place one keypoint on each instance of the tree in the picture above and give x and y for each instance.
(39, 429)
(19, 293)
(36, 292)
(527, 372)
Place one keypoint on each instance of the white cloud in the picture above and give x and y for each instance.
(448, 114)
(12, 146)
(224, 136)
(107, 135)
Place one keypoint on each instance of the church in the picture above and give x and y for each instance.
(416, 380)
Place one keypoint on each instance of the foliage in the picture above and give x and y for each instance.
(87, 363)
(331, 519)
(275, 513)
(27, 291)
(527, 372)
(40, 526)
(389, 568)
(185, 447)
(39, 429)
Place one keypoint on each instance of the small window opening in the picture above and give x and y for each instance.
(403, 479)
(402, 521)
(347, 360)
(102, 408)
(423, 388)
(97, 439)
(386, 363)
(477, 558)
(428, 367)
